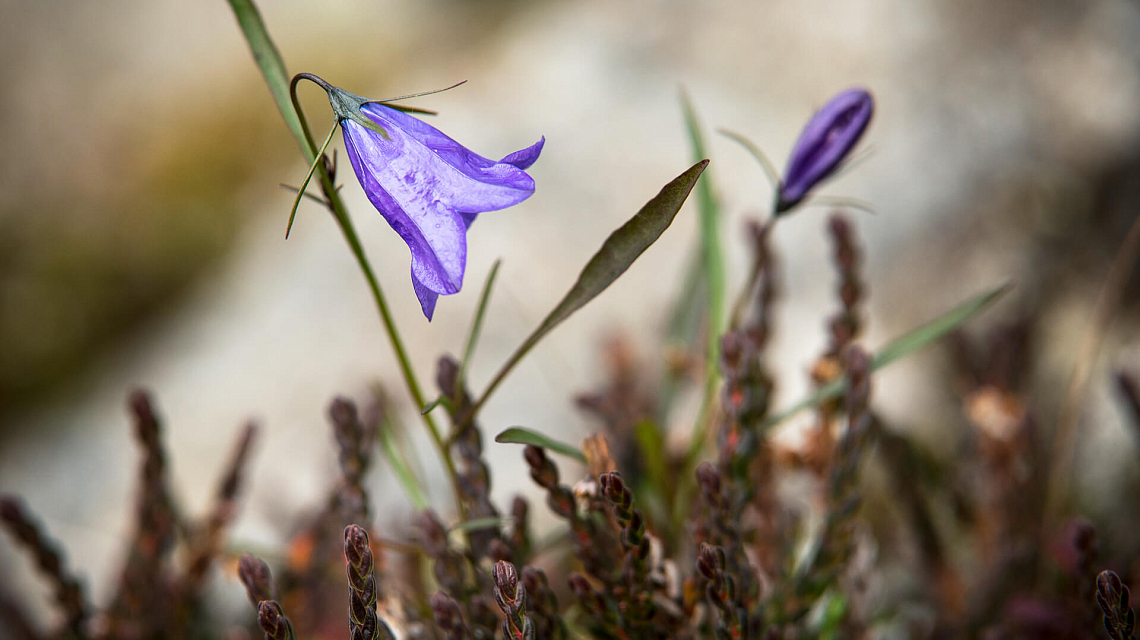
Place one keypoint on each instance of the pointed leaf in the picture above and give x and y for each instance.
(899, 347)
(618, 252)
(623, 247)
(522, 435)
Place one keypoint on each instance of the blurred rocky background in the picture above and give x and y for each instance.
(142, 225)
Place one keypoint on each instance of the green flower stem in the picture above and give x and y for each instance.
(285, 95)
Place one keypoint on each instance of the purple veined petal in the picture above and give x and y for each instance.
(393, 175)
(459, 177)
(426, 296)
(523, 158)
(824, 142)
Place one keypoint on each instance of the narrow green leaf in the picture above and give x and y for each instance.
(272, 66)
(709, 215)
(476, 326)
(522, 435)
(899, 347)
(399, 467)
(618, 252)
(713, 270)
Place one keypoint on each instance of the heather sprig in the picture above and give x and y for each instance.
(604, 619)
(258, 581)
(49, 558)
(474, 478)
(762, 288)
(142, 601)
(1112, 596)
(721, 591)
(448, 617)
(845, 325)
(520, 539)
(589, 541)
(273, 622)
(354, 452)
(449, 566)
(836, 539)
(510, 595)
(638, 594)
(208, 540)
(364, 624)
(548, 621)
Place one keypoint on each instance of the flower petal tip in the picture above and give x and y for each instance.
(523, 158)
(426, 296)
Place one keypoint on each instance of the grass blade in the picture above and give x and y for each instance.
(712, 258)
(899, 347)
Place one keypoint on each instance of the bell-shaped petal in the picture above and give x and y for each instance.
(823, 144)
(430, 188)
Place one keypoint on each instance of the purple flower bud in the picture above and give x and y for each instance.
(428, 187)
(824, 142)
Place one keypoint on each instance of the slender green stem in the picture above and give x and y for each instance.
(284, 92)
(402, 469)
(765, 164)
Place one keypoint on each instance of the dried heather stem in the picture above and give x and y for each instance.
(68, 592)
(141, 603)
(639, 594)
(510, 595)
(448, 566)
(354, 444)
(364, 624)
(763, 280)
(474, 477)
(254, 574)
(845, 325)
(548, 622)
(520, 539)
(836, 541)
(1112, 596)
(208, 541)
(448, 617)
(273, 621)
(721, 591)
(588, 542)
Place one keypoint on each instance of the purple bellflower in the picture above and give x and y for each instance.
(823, 144)
(427, 186)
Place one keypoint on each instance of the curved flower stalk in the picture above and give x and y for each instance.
(823, 144)
(427, 186)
